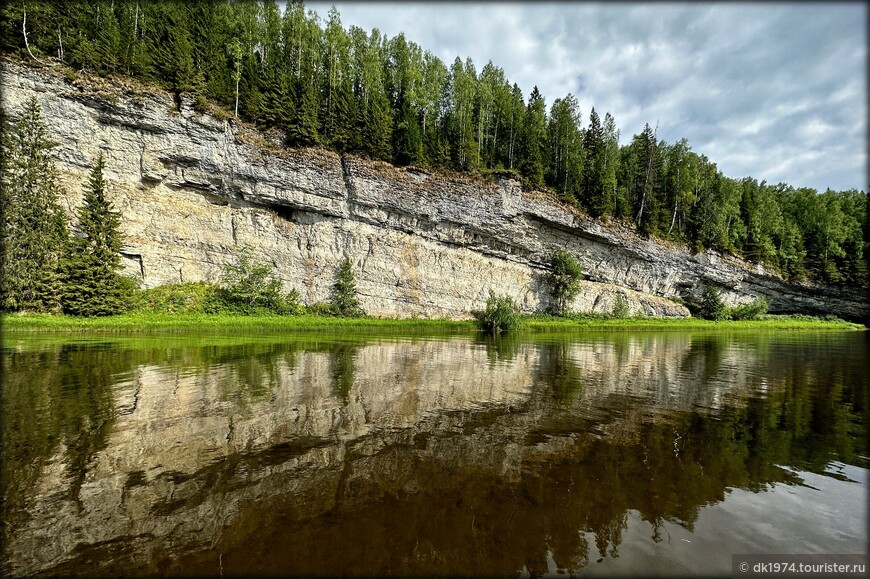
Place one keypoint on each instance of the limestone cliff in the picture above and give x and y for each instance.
(193, 189)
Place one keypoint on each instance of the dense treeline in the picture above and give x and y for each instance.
(388, 98)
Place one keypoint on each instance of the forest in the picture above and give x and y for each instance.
(353, 91)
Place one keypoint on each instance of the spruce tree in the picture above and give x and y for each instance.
(93, 285)
(533, 136)
(34, 229)
(108, 40)
(595, 197)
(344, 300)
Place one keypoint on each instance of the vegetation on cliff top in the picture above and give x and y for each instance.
(389, 98)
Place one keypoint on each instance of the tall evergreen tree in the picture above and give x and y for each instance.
(595, 196)
(108, 38)
(611, 162)
(93, 285)
(34, 229)
(533, 140)
(344, 298)
(645, 180)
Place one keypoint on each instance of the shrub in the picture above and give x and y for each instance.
(322, 309)
(750, 311)
(620, 307)
(185, 298)
(251, 288)
(200, 104)
(501, 315)
(565, 279)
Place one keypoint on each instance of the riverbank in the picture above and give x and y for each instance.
(189, 323)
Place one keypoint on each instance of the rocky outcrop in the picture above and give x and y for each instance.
(193, 189)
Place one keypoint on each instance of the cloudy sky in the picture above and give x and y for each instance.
(776, 91)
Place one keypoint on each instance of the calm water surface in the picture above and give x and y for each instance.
(649, 453)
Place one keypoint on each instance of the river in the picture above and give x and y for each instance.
(322, 454)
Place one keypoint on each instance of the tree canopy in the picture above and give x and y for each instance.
(388, 98)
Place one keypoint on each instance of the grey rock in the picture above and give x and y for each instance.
(193, 189)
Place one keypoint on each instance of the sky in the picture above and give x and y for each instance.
(774, 91)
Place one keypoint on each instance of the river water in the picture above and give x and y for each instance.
(323, 454)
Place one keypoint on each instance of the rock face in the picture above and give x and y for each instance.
(193, 190)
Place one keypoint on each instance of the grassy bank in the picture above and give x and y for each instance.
(141, 321)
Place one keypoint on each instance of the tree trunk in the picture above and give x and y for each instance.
(27, 44)
(237, 93)
(676, 202)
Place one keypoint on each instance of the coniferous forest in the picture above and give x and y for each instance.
(362, 92)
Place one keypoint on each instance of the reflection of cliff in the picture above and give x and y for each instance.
(426, 456)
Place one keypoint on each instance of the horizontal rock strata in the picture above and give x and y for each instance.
(193, 190)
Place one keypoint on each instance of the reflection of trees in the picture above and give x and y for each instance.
(705, 353)
(560, 372)
(343, 373)
(59, 397)
(482, 491)
(501, 347)
(86, 404)
(249, 372)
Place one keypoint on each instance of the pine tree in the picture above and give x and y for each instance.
(93, 285)
(34, 233)
(564, 159)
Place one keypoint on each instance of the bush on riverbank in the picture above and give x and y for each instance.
(500, 315)
(711, 307)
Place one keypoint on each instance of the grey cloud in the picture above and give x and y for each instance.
(775, 91)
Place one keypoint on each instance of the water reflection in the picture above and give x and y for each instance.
(415, 456)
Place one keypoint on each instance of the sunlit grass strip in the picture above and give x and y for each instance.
(262, 323)
(536, 324)
(226, 323)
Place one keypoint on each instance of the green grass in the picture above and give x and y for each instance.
(224, 322)
(534, 323)
(543, 324)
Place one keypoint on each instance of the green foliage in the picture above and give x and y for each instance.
(620, 307)
(500, 315)
(749, 311)
(565, 279)
(94, 286)
(564, 138)
(34, 234)
(595, 196)
(187, 298)
(711, 306)
(321, 309)
(344, 300)
(390, 99)
(533, 139)
(251, 288)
